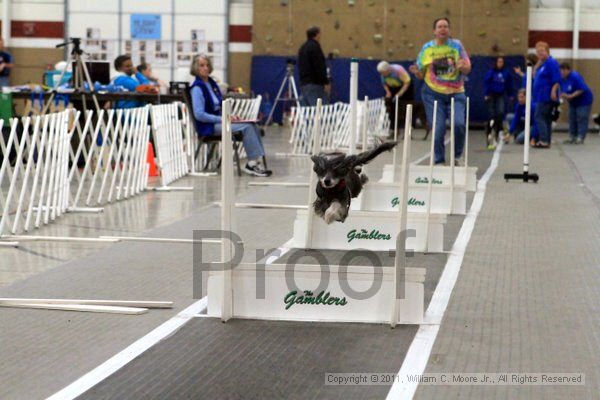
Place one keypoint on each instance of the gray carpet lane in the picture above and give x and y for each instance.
(246, 359)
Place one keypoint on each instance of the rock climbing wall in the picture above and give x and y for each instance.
(389, 29)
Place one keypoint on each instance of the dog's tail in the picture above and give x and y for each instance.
(366, 156)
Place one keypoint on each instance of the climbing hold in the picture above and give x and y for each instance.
(328, 11)
(378, 38)
(351, 3)
(336, 52)
(411, 45)
(377, 23)
(336, 24)
(516, 40)
(371, 3)
(481, 33)
(390, 51)
(269, 38)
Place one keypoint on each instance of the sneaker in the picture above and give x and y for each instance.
(257, 170)
(542, 145)
(570, 140)
(506, 138)
(579, 141)
(492, 145)
(459, 162)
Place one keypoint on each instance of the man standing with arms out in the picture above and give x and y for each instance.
(443, 62)
(580, 99)
(312, 69)
(545, 92)
(6, 64)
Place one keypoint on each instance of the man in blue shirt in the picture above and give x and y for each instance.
(6, 64)
(126, 78)
(580, 98)
(546, 83)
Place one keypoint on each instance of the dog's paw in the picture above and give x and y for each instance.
(329, 217)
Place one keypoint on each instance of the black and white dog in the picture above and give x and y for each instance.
(340, 179)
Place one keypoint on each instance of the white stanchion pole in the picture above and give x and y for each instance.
(364, 126)
(467, 135)
(452, 158)
(395, 151)
(227, 211)
(527, 121)
(312, 182)
(430, 181)
(353, 104)
(400, 258)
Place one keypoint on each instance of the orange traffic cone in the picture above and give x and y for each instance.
(152, 171)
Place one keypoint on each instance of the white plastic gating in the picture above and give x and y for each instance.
(370, 230)
(346, 296)
(381, 196)
(418, 174)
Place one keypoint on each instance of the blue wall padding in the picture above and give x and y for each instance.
(268, 73)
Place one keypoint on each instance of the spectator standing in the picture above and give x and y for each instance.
(580, 98)
(443, 62)
(545, 92)
(498, 87)
(312, 69)
(396, 81)
(6, 65)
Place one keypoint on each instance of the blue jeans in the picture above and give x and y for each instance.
(443, 113)
(312, 92)
(543, 120)
(579, 118)
(251, 138)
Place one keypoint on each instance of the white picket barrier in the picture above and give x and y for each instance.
(115, 163)
(172, 142)
(335, 125)
(38, 185)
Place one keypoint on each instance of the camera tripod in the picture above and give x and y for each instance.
(292, 92)
(80, 75)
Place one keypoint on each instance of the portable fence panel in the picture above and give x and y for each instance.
(172, 142)
(114, 150)
(39, 181)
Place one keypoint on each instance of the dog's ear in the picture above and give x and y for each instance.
(319, 163)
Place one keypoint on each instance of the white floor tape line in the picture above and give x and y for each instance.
(118, 361)
(419, 351)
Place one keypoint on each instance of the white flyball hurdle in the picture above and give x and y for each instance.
(233, 293)
(38, 185)
(452, 175)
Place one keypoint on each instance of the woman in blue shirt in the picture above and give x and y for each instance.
(580, 98)
(498, 86)
(545, 92)
(206, 103)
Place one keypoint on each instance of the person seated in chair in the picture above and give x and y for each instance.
(206, 101)
(125, 77)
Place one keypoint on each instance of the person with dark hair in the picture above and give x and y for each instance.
(545, 92)
(443, 63)
(145, 76)
(517, 125)
(6, 64)
(312, 69)
(206, 101)
(125, 77)
(497, 86)
(580, 98)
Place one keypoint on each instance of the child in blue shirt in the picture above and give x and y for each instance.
(517, 126)
(126, 78)
(580, 98)
(498, 86)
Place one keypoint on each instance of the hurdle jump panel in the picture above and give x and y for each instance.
(373, 309)
(419, 174)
